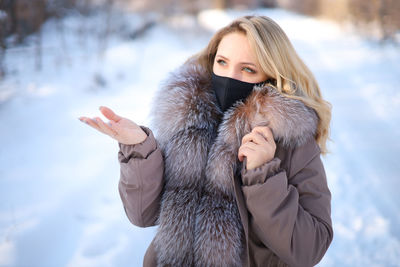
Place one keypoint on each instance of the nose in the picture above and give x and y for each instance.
(232, 71)
(234, 74)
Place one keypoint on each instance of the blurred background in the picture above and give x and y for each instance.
(62, 59)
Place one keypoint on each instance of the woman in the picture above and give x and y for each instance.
(235, 177)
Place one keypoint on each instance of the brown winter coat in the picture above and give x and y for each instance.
(284, 205)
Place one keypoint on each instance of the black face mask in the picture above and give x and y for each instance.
(228, 91)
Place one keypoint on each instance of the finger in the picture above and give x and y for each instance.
(247, 138)
(251, 146)
(250, 137)
(265, 131)
(105, 128)
(255, 137)
(244, 149)
(243, 152)
(109, 114)
(90, 122)
(260, 139)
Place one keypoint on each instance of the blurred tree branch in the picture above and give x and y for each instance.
(20, 18)
(379, 18)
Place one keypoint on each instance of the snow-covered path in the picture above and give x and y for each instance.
(59, 203)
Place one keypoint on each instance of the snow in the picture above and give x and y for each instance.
(59, 201)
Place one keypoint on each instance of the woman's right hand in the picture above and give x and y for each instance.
(121, 129)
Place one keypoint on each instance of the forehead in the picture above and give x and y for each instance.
(236, 46)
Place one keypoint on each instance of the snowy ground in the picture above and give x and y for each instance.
(59, 204)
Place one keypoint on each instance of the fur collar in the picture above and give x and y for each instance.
(199, 219)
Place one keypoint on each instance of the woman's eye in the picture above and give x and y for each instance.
(221, 62)
(246, 69)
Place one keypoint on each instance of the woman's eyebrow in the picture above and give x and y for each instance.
(227, 59)
(218, 55)
(248, 63)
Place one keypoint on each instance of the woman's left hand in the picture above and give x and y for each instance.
(258, 147)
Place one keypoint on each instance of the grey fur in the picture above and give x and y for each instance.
(199, 219)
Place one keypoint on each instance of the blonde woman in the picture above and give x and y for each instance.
(234, 175)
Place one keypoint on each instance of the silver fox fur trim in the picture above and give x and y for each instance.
(199, 222)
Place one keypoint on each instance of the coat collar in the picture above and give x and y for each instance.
(185, 100)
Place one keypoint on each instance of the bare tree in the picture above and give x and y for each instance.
(105, 34)
(3, 22)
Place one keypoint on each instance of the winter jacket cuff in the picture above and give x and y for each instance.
(141, 150)
(260, 174)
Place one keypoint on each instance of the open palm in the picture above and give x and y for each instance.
(121, 129)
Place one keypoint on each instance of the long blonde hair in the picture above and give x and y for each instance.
(279, 60)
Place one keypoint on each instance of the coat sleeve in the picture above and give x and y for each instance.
(141, 180)
(291, 213)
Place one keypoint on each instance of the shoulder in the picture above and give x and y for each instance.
(297, 158)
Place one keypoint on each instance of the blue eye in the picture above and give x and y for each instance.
(221, 62)
(246, 69)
